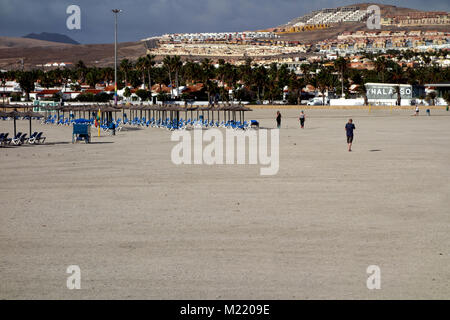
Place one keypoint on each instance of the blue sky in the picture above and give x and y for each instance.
(144, 18)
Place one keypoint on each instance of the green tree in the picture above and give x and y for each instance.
(141, 67)
(341, 64)
(177, 64)
(431, 98)
(381, 66)
(125, 66)
(127, 92)
(207, 75)
(259, 79)
(169, 66)
(324, 82)
(47, 80)
(107, 74)
(26, 81)
(149, 63)
(92, 78)
(143, 94)
(397, 77)
(446, 97)
(81, 70)
(296, 84)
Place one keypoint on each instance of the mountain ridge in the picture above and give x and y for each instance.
(51, 37)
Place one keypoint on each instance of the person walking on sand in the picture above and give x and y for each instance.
(349, 127)
(278, 119)
(417, 111)
(302, 119)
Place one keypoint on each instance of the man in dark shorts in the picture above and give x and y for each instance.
(349, 127)
(278, 119)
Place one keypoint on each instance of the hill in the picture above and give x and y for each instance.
(38, 52)
(51, 37)
(10, 42)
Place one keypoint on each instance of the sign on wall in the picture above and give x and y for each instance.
(383, 91)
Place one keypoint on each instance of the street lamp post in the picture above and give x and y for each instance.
(116, 12)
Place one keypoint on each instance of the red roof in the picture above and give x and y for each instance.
(49, 91)
(164, 88)
(93, 91)
(194, 88)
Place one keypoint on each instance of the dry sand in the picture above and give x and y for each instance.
(140, 227)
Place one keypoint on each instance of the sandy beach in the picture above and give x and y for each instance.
(140, 227)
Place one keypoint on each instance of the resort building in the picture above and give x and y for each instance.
(386, 93)
(417, 19)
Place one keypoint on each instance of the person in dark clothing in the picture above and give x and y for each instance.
(278, 119)
(349, 127)
(302, 119)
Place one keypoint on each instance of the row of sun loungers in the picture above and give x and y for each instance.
(21, 138)
(191, 124)
(168, 124)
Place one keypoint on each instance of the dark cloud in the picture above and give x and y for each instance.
(143, 18)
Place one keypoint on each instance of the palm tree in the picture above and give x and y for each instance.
(363, 91)
(340, 65)
(80, 65)
(221, 74)
(160, 76)
(397, 76)
(177, 64)
(431, 97)
(188, 71)
(381, 66)
(107, 74)
(65, 76)
(149, 63)
(26, 81)
(231, 76)
(259, 79)
(227, 75)
(245, 72)
(141, 67)
(81, 70)
(446, 97)
(3, 82)
(323, 82)
(296, 84)
(275, 81)
(47, 80)
(126, 66)
(92, 78)
(168, 65)
(207, 75)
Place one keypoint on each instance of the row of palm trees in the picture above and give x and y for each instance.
(247, 81)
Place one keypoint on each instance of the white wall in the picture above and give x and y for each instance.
(347, 102)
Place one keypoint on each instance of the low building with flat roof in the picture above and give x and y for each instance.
(439, 88)
(386, 93)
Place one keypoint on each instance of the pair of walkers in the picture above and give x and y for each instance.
(349, 127)
(301, 118)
